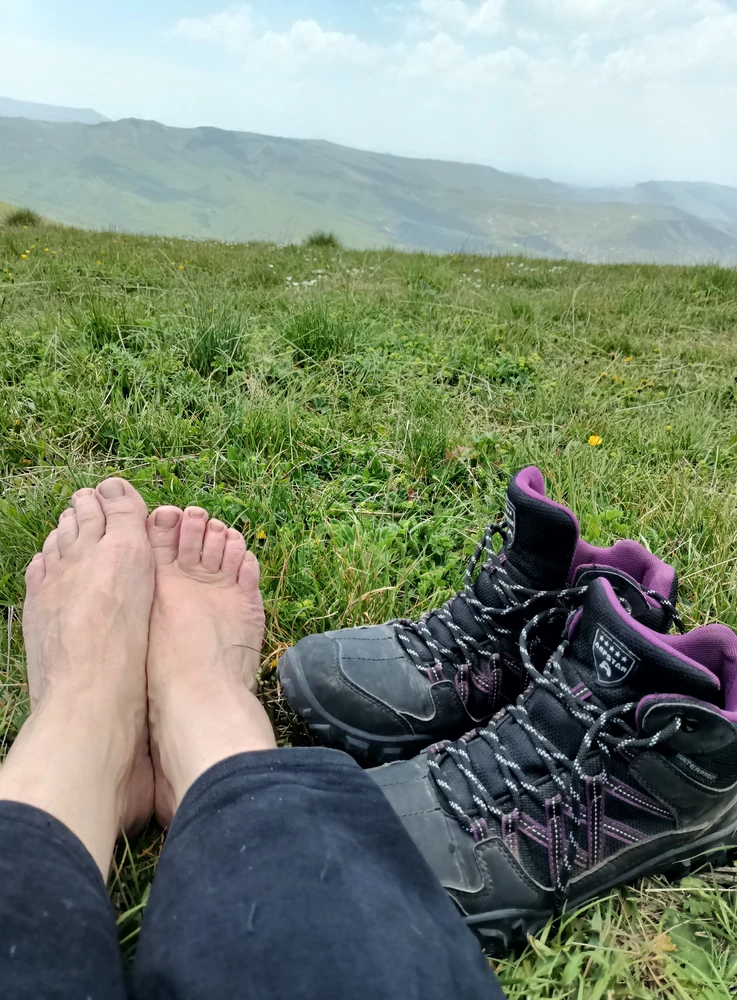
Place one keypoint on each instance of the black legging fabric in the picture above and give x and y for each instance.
(285, 876)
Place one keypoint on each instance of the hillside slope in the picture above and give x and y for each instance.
(206, 182)
(711, 202)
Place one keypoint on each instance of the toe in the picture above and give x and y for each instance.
(249, 574)
(68, 530)
(235, 549)
(90, 518)
(191, 537)
(36, 571)
(124, 509)
(213, 546)
(51, 552)
(163, 534)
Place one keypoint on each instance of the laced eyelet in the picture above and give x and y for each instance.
(688, 725)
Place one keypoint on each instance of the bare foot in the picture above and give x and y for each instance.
(83, 754)
(207, 627)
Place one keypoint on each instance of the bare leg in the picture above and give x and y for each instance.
(207, 627)
(83, 756)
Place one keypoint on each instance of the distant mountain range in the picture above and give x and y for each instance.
(142, 176)
(10, 108)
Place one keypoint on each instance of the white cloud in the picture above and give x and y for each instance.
(306, 42)
(486, 19)
(443, 58)
(232, 28)
(707, 49)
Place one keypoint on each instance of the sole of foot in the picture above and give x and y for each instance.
(207, 627)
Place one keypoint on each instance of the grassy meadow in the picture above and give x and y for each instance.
(358, 416)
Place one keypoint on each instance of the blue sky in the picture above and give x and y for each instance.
(583, 90)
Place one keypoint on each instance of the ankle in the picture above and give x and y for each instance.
(189, 743)
(75, 771)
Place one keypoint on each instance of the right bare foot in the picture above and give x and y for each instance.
(207, 627)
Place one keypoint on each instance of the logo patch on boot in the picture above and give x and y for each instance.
(614, 662)
(510, 515)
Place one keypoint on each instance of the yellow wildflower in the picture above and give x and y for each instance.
(261, 536)
(99, 262)
(181, 267)
(594, 440)
(627, 360)
(24, 256)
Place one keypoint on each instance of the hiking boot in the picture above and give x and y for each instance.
(383, 692)
(619, 761)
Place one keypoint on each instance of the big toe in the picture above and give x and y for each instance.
(124, 509)
(163, 533)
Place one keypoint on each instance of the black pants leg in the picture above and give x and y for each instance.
(58, 939)
(285, 875)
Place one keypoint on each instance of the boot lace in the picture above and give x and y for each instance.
(476, 662)
(606, 730)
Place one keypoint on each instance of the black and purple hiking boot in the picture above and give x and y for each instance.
(620, 760)
(384, 692)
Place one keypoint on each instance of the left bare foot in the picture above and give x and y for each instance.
(85, 623)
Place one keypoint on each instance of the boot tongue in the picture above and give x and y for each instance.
(541, 535)
(611, 656)
(541, 538)
(620, 660)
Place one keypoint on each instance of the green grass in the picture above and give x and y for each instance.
(322, 239)
(358, 417)
(24, 217)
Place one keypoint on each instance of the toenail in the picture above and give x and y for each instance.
(196, 512)
(216, 526)
(66, 513)
(250, 557)
(111, 488)
(166, 518)
(84, 492)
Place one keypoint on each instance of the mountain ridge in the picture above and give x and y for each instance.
(208, 182)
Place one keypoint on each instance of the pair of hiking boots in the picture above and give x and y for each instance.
(575, 745)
